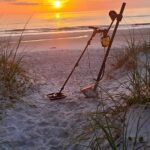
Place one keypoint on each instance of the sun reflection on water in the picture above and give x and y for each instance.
(57, 15)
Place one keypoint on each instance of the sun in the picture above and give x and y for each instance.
(57, 4)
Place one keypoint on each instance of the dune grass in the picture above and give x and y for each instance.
(14, 79)
(107, 128)
(136, 59)
(12, 74)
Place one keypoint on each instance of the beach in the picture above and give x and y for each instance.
(36, 123)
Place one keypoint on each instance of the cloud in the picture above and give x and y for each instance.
(25, 3)
(20, 2)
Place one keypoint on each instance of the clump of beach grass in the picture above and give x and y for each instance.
(128, 58)
(114, 128)
(14, 79)
(136, 60)
(12, 75)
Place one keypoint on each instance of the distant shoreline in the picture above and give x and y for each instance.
(75, 29)
(73, 40)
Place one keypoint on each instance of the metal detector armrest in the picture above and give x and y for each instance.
(97, 30)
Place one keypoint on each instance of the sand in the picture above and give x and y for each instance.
(35, 122)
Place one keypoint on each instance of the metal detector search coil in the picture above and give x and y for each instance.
(56, 96)
(89, 92)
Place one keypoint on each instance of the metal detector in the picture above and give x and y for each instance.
(90, 91)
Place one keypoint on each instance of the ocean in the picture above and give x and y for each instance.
(46, 23)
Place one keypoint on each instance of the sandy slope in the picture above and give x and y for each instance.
(37, 123)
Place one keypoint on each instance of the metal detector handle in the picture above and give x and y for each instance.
(94, 28)
(119, 18)
(88, 43)
(122, 10)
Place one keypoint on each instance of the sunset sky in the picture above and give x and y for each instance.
(34, 6)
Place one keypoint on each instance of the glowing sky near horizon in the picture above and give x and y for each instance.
(30, 6)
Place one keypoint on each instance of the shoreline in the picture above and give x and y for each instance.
(75, 29)
(76, 40)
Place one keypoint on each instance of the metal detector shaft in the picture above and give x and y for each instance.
(119, 18)
(88, 43)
